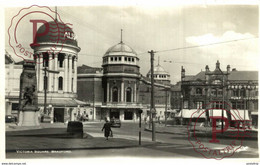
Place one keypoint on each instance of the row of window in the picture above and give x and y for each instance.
(60, 83)
(115, 59)
(219, 105)
(158, 76)
(219, 92)
(61, 58)
(115, 94)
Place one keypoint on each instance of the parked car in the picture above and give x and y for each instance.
(115, 123)
(10, 119)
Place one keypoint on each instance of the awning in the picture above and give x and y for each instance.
(217, 112)
(192, 113)
(62, 102)
(239, 114)
(254, 113)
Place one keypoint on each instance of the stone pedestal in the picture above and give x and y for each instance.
(29, 117)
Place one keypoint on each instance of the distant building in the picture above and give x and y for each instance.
(13, 71)
(239, 89)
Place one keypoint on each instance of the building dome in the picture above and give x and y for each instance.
(59, 33)
(159, 70)
(160, 75)
(120, 49)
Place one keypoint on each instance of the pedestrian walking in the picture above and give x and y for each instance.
(107, 128)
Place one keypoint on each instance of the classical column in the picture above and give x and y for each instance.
(40, 72)
(65, 80)
(107, 92)
(70, 74)
(75, 75)
(55, 83)
(50, 75)
(122, 91)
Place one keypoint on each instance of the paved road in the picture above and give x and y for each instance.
(171, 145)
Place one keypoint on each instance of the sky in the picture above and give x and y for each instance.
(184, 28)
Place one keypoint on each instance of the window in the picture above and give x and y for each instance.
(199, 105)
(235, 92)
(129, 59)
(216, 82)
(198, 91)
(115, 94)
(213, 92)
(133, 60)
(119, 58)
(239, 105)
(125, 58)
(60, 83)
(185, 104)
(243, 92)
(73, 59)
(111, 59)
(220, 92)
(115, 58)
(128, 94)
(217, 105)
(60, 59)
(45, 60)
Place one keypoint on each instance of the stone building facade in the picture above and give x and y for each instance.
(209, 89)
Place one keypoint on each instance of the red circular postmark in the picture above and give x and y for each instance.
(222, 133)
(24, 34)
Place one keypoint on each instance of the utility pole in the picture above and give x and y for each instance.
(166, 102)
(152, 108)
(45, 89)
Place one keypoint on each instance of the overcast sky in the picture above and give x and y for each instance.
(163, 28)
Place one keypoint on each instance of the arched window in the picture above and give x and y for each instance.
(115, 94)
(61, 59)
(60, 83)
(45, 60)
(128, 94)
(198, 91)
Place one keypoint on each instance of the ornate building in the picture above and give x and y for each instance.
(239, 89)
(57, 52)
(118, 89)
(120, 82)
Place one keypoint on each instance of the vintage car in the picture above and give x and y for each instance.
(115, 123)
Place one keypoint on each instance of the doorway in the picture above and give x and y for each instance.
(58, 115)
(128, 115)
(114, 113)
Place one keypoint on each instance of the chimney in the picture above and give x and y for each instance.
(228, 68)
(217, 65)
(207, 68)
(182, 73)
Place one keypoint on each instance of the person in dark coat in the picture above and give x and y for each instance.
(107, 127)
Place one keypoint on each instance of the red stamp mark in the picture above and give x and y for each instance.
(222, 133)
(24, 34)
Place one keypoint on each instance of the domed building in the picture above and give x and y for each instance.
(56, 53)
(120, 83)
(160, 75)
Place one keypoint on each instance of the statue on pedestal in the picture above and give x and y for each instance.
(28, 101)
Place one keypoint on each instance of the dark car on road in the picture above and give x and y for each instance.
(10, 119)
(115, 123)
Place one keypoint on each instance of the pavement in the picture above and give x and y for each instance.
(54, 137)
